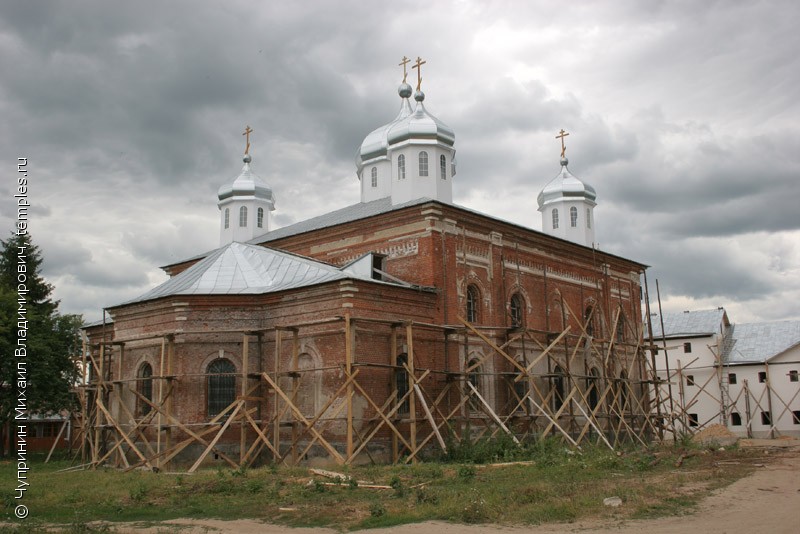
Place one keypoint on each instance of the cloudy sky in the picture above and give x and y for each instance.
(683, 115)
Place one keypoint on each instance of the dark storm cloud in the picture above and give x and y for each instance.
(683, 116)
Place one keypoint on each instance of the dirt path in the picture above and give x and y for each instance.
(766, 501)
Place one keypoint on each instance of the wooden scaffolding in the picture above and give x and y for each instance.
(429, 388)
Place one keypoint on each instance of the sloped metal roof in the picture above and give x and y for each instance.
(689, 323)
(759, 342)
(239, 268)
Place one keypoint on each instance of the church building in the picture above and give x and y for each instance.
(381, 331)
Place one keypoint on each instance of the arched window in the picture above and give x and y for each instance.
(517, 310)
(401, 382)
(374, 173)
(221, 376)
(443, 167)
(588, 321)
(593, 388)
(423, 163)
(307, 386)
(227, 217)
(473, 300)
(243, 216)
(555, 218)
(621, 328)
(401, 167)
(558, 388)
(588, 218)
(623, 390)
(144, 385)
(474, 378)
(573, 216)
(260, 217)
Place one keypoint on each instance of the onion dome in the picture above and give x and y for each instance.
(375, 145)
(420, 125)
(566, 186)
(247, 184)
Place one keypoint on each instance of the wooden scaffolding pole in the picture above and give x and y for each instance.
(348, 362)
(412, 400)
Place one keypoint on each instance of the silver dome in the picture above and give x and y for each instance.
(566, 185)
(246, 184)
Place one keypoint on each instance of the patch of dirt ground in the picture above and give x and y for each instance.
(766, 501)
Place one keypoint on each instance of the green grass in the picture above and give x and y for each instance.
(561, 485)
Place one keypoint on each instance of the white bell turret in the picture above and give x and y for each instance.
(567, 205)
(245, 205)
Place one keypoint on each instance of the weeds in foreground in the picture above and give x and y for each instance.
(549, 482)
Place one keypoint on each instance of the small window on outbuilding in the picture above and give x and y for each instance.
(796, 417)
(693, 419)
(555, 218)
(573, 217)
(766, 418)
(731, 378)
(762, 377)
(793, 376)
(736, 419)
(243, 216)
(260, 218)
(689, 380)
(687, 347)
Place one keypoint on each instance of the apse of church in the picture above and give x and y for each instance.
(366, 331)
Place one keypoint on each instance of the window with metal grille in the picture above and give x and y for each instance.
(762, 376)
(473, 298)
(573, 216)
(243, 216)
(793, 376)
(687, 347)
(731, 378)
(221, 385)
(443, 167)
(144, 385)
(401, 167)
(260, 217)
(423, 163)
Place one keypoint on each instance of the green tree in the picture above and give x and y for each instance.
(51, 342)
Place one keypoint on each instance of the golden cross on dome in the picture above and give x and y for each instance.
(418, 65)
(247, 132)
(562, 135)
(403, 64)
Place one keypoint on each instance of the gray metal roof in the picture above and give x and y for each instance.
(759, 342)
(350, 213)
(239, 268)
(689, 323)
